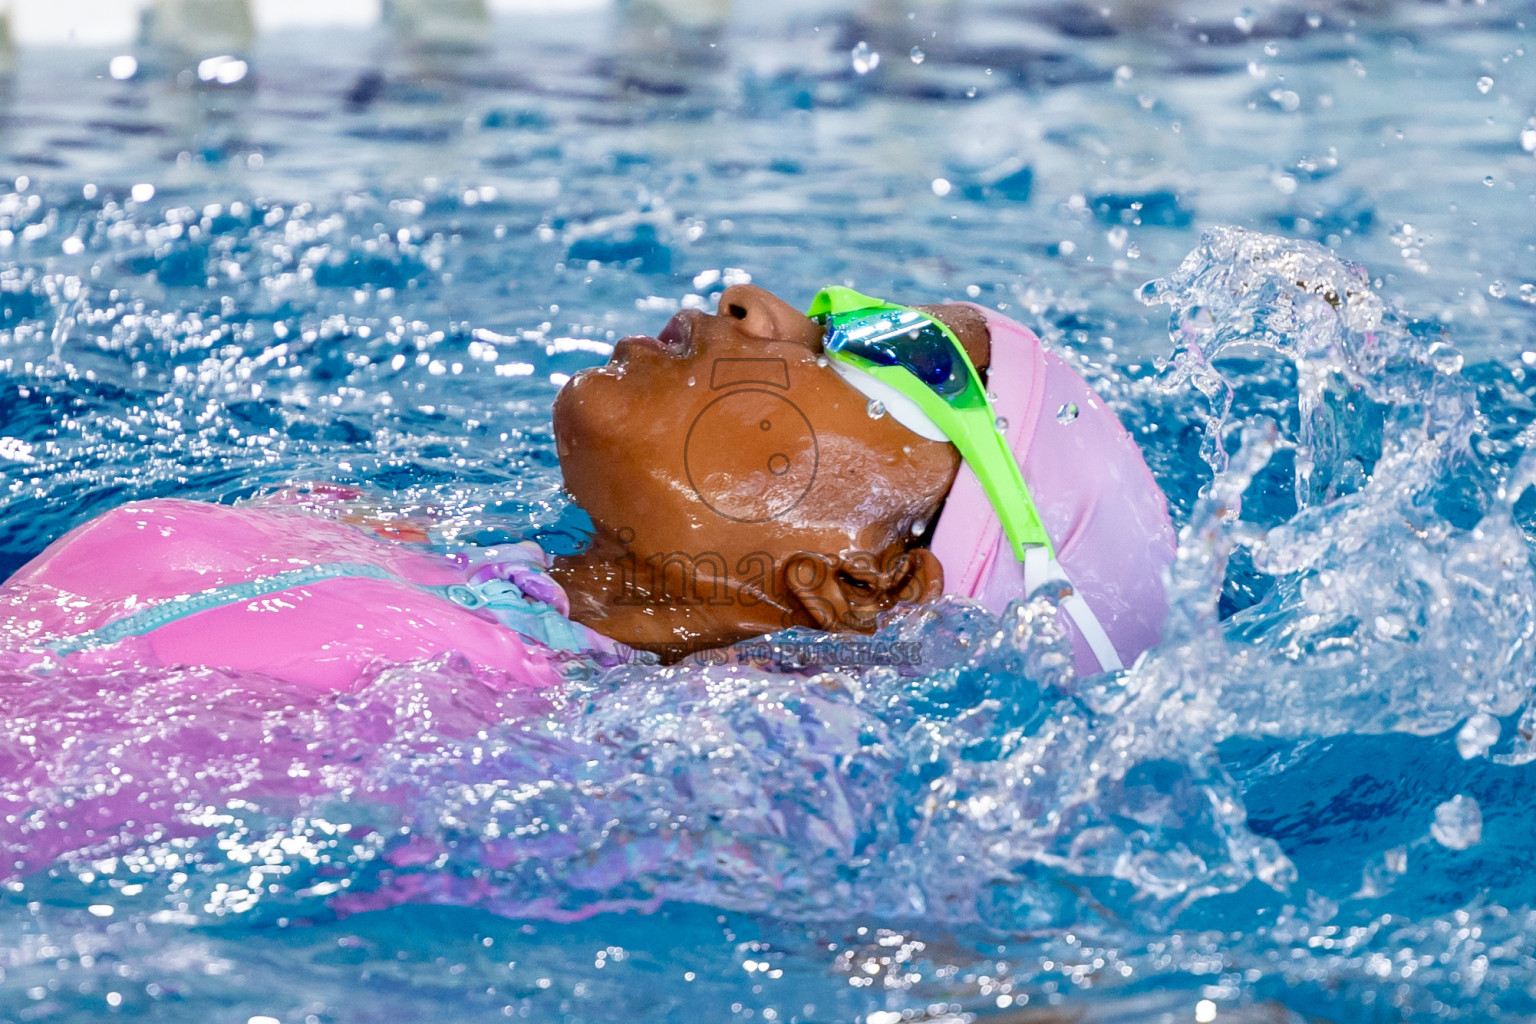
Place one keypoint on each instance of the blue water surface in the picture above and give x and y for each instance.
(374, 262)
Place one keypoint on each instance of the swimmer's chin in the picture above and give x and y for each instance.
(625, 351)
(588, 410)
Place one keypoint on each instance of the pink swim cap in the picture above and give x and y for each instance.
(1105, 514)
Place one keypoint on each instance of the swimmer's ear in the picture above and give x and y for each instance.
(847, 592)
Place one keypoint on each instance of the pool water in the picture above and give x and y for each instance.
(372, 263)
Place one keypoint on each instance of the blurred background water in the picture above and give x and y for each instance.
(243, 245)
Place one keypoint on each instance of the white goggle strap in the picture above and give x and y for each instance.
(901, 408)
(1040, 568)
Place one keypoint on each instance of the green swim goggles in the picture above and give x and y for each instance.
(914, 365)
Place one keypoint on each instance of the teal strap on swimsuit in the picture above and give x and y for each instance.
(150, 619)
(533, 619)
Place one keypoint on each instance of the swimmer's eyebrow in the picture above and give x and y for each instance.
(726, 372)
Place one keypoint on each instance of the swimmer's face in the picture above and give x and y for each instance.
(713, 455)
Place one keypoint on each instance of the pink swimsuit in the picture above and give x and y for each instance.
(284, 593)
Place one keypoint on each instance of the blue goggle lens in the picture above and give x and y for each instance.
(899, 337)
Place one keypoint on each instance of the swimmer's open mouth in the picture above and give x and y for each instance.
(675, 340)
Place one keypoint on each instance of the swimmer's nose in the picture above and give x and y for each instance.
(762, 314)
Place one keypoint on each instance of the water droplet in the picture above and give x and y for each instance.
(865, 60)
(1446, 358)
(875, 408)
(970, 93)
(941, 186)
(1123, 74)
(1117, 237)
(1314, 21)
(1287, 99)
(1458, 823)
(1067, 413)
(692, 381)
(1484, 84)
(1479, 733)
(972, 290)
(1488, 181)
(1001, 424)
(1498, 290)
(917, 55)
(823, 362)
(919, 528)
(224, 69)
(1528, 293)
(1528, 139)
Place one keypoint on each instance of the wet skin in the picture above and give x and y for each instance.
(738, 485)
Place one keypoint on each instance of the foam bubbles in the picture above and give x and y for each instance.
(1458, 823)
(1480, 732)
